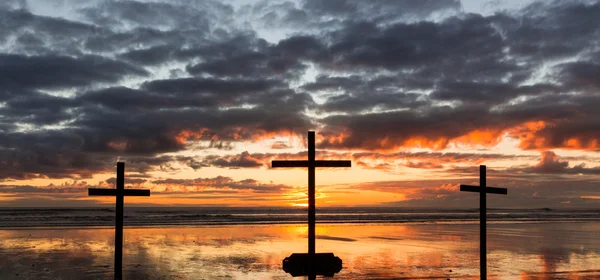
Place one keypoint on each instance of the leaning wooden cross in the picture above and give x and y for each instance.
(483, 189)
(311, 264)
(119, 192)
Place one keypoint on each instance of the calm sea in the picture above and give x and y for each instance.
(162, 216)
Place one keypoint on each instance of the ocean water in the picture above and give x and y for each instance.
(250, 243)
(160, 216)
(522, 251)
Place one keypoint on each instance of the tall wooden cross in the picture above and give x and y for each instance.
(119, 192)
(482, 189)
(310, 259)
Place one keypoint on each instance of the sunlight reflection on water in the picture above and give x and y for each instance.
(517, 251)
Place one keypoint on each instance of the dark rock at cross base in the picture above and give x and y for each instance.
(325, 264)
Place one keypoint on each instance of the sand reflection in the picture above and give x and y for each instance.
(537, 251)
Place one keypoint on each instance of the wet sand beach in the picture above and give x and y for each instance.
(550, 250)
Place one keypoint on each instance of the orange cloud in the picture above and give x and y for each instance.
(526, 134)
(541, 135)
(186, 135)
(483, 137)
(487, 137)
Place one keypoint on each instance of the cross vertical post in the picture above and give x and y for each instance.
(312, 264)
(119, 192)
(483, 189)
(119, 220)
(482, 223)
(311, 194)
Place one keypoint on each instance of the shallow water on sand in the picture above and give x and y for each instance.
(369, 251)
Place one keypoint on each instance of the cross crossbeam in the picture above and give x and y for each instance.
(468, 188)
(120, 192)
(113, 192)
(306, 163)
(483, 189)
(311, 164)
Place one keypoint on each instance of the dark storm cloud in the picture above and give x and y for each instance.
(20, 72)
(47, 154)
(144, 37)
(130, 28)
(142, 130)
(470, 45)
(331, 14)
(135, 123)
(43, 35)
(374, 9)
(378, 101)
(188, 47)
(154, 55)
(176, 15)
(37, 108)
(19, 165)
(487, 93)
(579, 75)
(300, 46)
(248, 56)
(462, 48)
(468, 60)
(197, 93)
(158, 131)
(355, 94)
(321, 82)
(152, 33)
(554, 29)
(68, 154)
(210, 86)
(251, 64)
(122, 98)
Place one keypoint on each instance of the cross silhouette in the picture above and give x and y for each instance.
(304, 264)
(482, 189)
(119, 192)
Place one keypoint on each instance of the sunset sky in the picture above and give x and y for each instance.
(197, 98)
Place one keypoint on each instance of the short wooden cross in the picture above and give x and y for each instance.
(311, 164)
(482, 189)
(119, 192)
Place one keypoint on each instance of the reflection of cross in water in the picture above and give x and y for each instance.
(119, 192)
(311, 163)
(482, 215)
